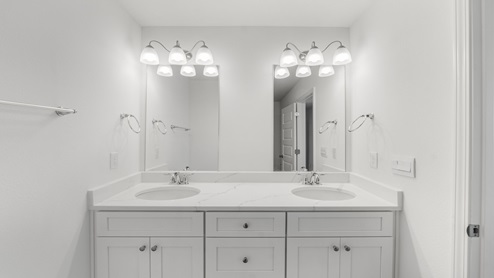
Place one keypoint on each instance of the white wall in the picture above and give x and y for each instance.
(246, 56)
(168, 101)
(204, 121)
(81, 54)
(329, 104)
(404, 73)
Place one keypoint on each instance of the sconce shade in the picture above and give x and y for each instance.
(188, 70)
(281, 72)
(342, 56)
(210, 71)
(149, 56)
(177, 56)
(314, 57)
(325, 71)
(303, 71)
(204, 56)
(165, 70)
(288, 58)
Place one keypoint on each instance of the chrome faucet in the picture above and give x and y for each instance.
(312, 179)
(179, 178)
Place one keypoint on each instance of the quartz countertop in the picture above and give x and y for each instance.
(245, 196)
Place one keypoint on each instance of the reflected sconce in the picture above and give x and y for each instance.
(281, 72)
(179, 56)
(313, 57)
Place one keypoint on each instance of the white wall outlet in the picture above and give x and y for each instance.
(373, 160)
(333, 153)
(324, 152)
(113, 160)
(156, 153)
(403, 166)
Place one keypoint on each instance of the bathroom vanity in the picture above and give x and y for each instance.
(243, 229)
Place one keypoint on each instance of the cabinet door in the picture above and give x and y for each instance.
(313, 257)
(122, 257)
(177, 257)
(370, 257)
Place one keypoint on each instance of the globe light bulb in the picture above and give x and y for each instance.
(281, 72)
(149, 56)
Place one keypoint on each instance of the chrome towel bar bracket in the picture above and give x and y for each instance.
(326, 126)
(128, 116)
(364, 117)
(157, 123)
(179, 127)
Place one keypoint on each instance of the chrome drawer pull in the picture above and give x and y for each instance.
(347, 248)
(336, 248)
(246, 225)
(245, 260)
(142, 248)
(154, 248)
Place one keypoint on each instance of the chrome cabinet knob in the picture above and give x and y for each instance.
(336, 248)
(142, 248)
(347, 248)
(245, 260)
(154, 248)
(245, 226)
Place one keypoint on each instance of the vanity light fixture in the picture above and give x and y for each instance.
(179, 56)
(303, 71)
(313, 57)
(210, 71)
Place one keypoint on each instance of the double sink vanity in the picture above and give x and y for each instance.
(245, 225)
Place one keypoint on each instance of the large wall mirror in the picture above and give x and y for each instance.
(309, 122)
(182, 126)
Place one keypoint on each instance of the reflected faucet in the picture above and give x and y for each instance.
(180, 178)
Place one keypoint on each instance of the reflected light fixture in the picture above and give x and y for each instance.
(281, 72)
(210, 71)
(303, 71)
(325, 71)
(188, 70)
(165, 70)
(313, 57)
(179, 56)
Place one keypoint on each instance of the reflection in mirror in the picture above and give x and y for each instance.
(309, 122)
(181, 121)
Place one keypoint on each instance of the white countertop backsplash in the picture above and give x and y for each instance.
(244, 191)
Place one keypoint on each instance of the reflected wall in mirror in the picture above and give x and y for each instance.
(191, 104)
(309, 122)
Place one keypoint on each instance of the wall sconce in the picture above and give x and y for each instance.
(179, 56)
(312, 57)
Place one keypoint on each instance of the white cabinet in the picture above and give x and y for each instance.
(122, 257)
(366, 257)
(177, 257)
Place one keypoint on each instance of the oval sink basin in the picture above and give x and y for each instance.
(168, 193)
(323, 193)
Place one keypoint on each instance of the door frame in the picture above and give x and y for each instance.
(303, 99)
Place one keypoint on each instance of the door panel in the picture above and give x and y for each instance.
(288, 138)
(177, 258)
(313, 257)
(367, 257)
(122, 257)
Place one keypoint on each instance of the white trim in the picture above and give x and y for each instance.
(462, 139)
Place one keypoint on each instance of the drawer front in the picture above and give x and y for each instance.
(322, 224)
(245, 257)
(183, 224)
(245, 224)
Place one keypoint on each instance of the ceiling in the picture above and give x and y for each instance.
(312, 13)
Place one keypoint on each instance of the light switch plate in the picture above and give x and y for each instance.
(403, 166)
(113, 160)
(373, 160)
(324, 152)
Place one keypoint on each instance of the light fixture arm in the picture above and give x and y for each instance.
(203, 44)
(159, 44)
(329, 45)
(289, 43)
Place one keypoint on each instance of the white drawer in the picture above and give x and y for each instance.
(184, 224)
(245, 257)
(245, 224)
(323, 224)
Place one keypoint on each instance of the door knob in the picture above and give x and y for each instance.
(245, 260)
(336, 248)
(347, 248)
(154, 248)
(142, 248)
(245, 226)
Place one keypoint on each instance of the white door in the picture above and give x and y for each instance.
(122, 257)
(370, 257)
(293, 137)
(177, 257)
(313, 258)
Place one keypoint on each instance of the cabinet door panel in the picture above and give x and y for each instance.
(122, 257)
(177, 257)
(313, 257)
(367, 257)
